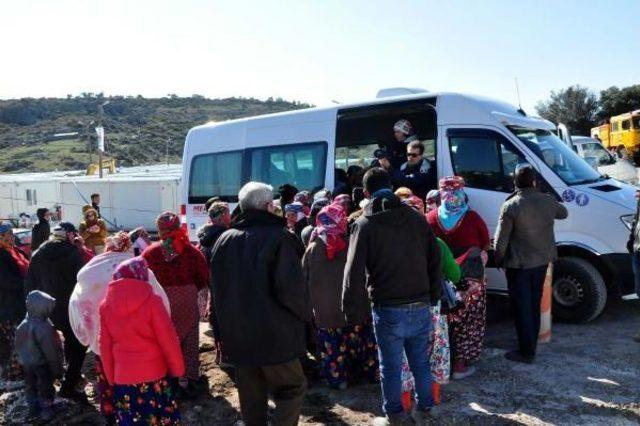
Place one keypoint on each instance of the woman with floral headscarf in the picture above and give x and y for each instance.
(14, 264)
(139, 348)
(93, 230)
(84, 306)
(345, 349)
(467, 235)
(182, 271)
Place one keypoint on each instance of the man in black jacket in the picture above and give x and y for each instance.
(393, 254)
(262, 304)
(54, 270)
(41, 231)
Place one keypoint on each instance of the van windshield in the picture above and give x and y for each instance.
(572, 169)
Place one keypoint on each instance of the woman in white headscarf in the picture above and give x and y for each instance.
(84, 305)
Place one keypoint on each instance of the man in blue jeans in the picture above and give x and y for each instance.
(394, 256)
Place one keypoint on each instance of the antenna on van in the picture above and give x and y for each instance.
(518, 94)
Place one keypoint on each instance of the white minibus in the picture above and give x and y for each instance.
(480, 139)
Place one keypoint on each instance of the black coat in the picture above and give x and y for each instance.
(259, 292)
(54, 270)
(394, 255)
(207, 236)
(12, 305)
(39, 234)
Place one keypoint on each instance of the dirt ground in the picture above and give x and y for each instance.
(586, 375)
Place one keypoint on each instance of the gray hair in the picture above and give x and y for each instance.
(255, 196)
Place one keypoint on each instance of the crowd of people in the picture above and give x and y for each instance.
(385, 283)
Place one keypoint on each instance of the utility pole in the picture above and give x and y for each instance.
(167, 151)
(101, 120)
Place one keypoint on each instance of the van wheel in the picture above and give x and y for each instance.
(579, 293)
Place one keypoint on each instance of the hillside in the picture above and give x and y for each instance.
(54, 133)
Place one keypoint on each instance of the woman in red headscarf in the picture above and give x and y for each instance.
(344, 347)
(182, 271)
(467, 235)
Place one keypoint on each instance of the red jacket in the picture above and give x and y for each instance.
(189, 268)
(137, 340)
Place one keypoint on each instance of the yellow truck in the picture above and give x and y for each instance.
(623, 129)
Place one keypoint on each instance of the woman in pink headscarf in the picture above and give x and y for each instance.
(84, 305)
(344, 348)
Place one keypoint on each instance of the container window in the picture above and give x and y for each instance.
(626, 124)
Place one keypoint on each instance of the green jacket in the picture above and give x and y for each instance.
(450, 269)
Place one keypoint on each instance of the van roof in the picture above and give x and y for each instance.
(488, 104)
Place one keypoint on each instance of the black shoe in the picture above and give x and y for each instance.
(515, 356)
(74, 395)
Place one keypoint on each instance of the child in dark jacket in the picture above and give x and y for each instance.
(39, 351)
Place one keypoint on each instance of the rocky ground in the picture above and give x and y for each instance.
(588, 374)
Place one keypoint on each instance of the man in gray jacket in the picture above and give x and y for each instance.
(524, 245)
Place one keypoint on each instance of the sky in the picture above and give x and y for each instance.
(316, 51)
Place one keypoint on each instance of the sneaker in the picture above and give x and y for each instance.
(401, 419)
(515, 356)
(463, 373)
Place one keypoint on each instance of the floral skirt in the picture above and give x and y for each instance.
(104, 391)
(467, 325)
(10, 369)
(151, 403)
(347, 352)
(185, 316)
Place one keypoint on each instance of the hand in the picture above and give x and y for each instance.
(384, 163)
(94, 229)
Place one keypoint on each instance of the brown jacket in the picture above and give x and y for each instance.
(525, 238)
(324, 278)
(91, 239)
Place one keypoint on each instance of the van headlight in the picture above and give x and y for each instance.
(627, 219)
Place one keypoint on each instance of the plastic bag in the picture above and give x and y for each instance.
(440, 359)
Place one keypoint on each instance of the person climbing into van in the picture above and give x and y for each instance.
(182, 271)
(403, 134)
(392, 244)
(415, 173)
(93, 230)
(39, 350)
(525, 245)
(346, 348)
(466, 234)
(41, 231)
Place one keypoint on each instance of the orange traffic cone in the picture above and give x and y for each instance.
(545, 307)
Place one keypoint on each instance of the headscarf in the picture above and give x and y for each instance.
(433, 200)
(318, 205)
(86, 210)
(331, 228)
(453, 205)
(297, 208)
(414, 202)
(7, 239)
(323, 193)
(174, 237)
(343, 200)
(403, 192)
(217, 212)
(135, 268)
(304, 198)
(403, 126)
(119, 242)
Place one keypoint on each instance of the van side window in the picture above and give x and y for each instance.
(218, 174)
(626, 124)
(636, 123)
(485, 160)
(301, 165)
